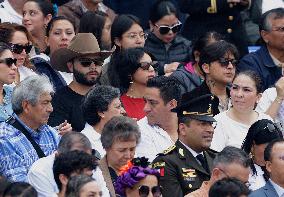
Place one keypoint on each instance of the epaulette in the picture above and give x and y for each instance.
(170, 149)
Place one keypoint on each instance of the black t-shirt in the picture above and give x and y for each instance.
(67, 106)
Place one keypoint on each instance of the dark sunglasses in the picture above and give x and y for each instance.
(146, 65)
(86, 62)
(9, 61)
(144, 191)
(225, 62)
(164, 29)
(17, 48)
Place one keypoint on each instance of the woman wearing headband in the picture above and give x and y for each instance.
(259, 135)
(168, 48)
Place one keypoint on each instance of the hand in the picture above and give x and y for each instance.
(64, 128)
(279, 85)
(168, 68)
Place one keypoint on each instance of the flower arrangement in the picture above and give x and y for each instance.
(130, 174)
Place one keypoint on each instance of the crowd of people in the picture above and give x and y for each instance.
(100, 99)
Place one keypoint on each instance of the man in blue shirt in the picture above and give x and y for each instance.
(31, 103)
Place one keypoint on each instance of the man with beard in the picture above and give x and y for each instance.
(84, 58)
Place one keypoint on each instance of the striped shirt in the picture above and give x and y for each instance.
(17, 153)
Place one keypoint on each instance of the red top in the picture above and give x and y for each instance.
(133, 106)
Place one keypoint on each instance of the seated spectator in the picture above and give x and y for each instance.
(59, 33)
(21, 189)
(271, 102)
(7, 76)
(100, 104)
(41, 176)
(267, 62)
(259, 135)
(134, 69)
(138, 179)
(84, 58)
(229, 187)
(233, 125)
(163, 42)
(273, 156)
(159, 126)
(126, 32)
(231, 162)
(217, 62)
(188, 73)
(99, 24)
(26, 137)
(37, 23)
(20, 41)
(120, 137)
(69, 164)
(82, 185)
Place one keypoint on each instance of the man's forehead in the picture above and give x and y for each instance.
(152, 93)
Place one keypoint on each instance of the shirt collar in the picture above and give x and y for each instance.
(279, 189)
(276, 61)
(193, 152)
(30, 130)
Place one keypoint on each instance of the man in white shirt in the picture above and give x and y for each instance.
(11, 11)
(40, 175)
(159, 126)
(274, 158)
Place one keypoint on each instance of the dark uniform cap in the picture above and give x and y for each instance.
(199, 108)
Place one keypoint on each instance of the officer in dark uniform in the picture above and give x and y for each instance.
(184, 166)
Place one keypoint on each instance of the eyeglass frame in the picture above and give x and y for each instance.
(9, 64)
(92, 60)
(27, 48)
(147, 65)
(223, 171)
(225, 62)
(142, 195)
(170, 28)
(134, 36)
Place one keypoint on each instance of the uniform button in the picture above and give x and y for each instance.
(190, 186)
(231, 18)
(229, 30)
(231, 5)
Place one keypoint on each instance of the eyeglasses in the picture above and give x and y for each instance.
(164, 29)
(144, 191)
(9, 61)
(246, 183)
(18, 49)
(279, 29)
(146, 65)
(86, 62)
(225, 62)
(135, 36)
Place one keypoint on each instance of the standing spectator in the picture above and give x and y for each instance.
(233, 125)
(7, 76)
(222, 16)
(159, 126)
(36, 16)
(268, 60)
(26, 137)
(163, 42)
(11, 11)
(185, 165)
(84, 58)
(273, 156)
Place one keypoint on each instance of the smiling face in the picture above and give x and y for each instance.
(7, 73)
(244, 94)
(60, 35)
(20, 38)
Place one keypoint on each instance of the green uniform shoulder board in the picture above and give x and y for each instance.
(170, 149)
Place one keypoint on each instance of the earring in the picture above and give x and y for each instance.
(130, 78)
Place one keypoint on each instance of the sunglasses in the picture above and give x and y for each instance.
(225, 62)
(146, 65)
(164, 29)
(144, 191)
(9, 61)
(86, 62)
(18, 49)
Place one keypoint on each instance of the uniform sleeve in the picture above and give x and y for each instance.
(169, 179)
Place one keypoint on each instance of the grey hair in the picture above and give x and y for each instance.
(265, 21)
(119, 128)
(76, 183)
(30, 89)
(72, 138)
(230, 155)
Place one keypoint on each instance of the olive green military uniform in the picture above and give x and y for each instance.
(180, 171)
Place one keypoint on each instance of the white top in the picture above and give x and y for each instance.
(95, 139)
(271, 4)
(154, 140)
(268, 96)
(229, 132)
(25, 72)
(256, 181)
(8, 14)
(278, 188)
(40, 176)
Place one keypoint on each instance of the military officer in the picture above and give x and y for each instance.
(184, 166)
